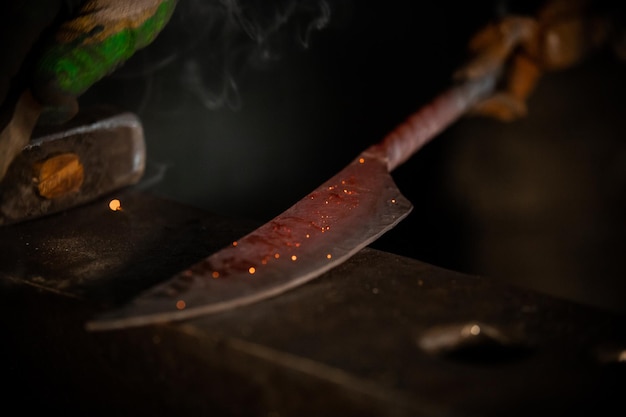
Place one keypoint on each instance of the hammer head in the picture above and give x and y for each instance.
(97, 153)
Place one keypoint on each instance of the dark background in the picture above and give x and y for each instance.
(247, 106)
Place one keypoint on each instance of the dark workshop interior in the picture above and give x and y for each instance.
(247, 109)
(248, 105)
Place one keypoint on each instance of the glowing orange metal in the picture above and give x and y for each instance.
(342, 216)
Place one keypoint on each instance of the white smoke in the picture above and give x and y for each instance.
(209, 44)
(233, 36)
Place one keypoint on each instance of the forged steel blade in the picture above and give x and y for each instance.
(319, 232)
(322, 230)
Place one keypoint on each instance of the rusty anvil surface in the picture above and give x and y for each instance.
(350, 343)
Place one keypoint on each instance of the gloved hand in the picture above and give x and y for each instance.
(55, 50)
(560, 35)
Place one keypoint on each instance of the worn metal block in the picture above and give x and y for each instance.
(381, 335)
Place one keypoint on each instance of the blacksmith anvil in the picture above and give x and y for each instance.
(381, 335)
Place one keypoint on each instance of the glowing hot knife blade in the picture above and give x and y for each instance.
(325, 228)
(322, 230)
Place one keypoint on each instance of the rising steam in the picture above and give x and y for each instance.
(262, 20)
(209, 44)
(213, 42)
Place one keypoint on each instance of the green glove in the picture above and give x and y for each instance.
(103, 36)
(44, 68)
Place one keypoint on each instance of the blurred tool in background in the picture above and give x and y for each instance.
(543, 198)
(560, 34)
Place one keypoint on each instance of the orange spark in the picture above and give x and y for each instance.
(115, 205)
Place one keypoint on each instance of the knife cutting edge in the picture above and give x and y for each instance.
(326, 227)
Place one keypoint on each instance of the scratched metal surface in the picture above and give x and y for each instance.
(368, 338)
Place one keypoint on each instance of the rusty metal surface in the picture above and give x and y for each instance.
(106, 152)
(379, 335)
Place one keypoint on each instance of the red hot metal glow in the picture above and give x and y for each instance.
(321, 231)
(288, 235)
